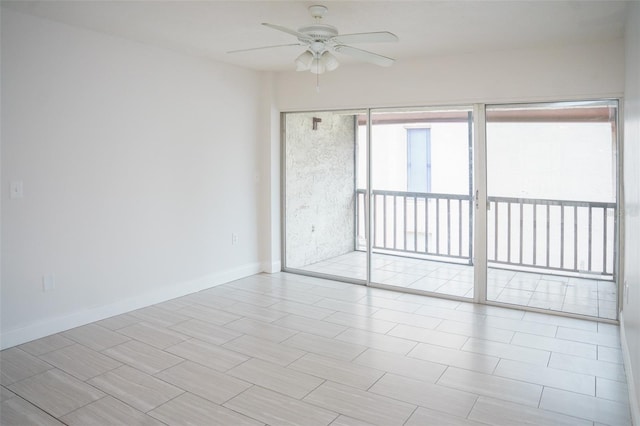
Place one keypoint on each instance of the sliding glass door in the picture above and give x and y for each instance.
(321, 205)
(396, 198)
(551, 223)
(421, 207)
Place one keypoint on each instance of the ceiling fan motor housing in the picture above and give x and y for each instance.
(319, 32)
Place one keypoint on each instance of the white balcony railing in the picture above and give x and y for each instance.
(577, 237)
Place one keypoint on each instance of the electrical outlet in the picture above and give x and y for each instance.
(234, 238)
(48, 282)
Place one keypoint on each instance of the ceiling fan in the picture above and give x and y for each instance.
(321, 40)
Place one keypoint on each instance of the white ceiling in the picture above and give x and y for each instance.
(425, 28)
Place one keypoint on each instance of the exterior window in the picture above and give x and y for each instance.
(419, 160)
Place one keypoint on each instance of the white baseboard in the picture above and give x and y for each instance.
(633, 390)
(48, 326)
(271, 267)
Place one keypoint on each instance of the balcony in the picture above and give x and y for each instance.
(549, 254)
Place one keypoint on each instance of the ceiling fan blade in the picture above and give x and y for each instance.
(365, 55)
(287, 30)
(263, 47)
(375, 37)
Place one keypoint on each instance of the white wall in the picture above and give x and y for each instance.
(631, 304)
(269, 152)
(137, 164)
(586, 71)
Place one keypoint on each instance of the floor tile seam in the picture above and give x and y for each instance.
(599, 376)
(449, 348)
(303, 399)
(287, 367)
(8, 390)
(593, 420)
(494, 376)
(153, 376)
(394, 398)
(373, 308)
(196, 362)
(149, 412)
(360, 328)
(472, 408)
(404, 375)
(508, 344)
(248, 302)
(313, 374)
(482, 317)
(33, 403)
(372, 394)
(286, 299)
(99, 374)
(90, 402)
(423, 341)
(311, 332)
(442, 373)
(487, 395)
(51, 367)
(239, 412)
(380, 378)
(497, 359)
(415, 343)
(307, 305)
(547, 385)
(322, 382)
(116, 330)
(160, 323)
(304, 353)
(626, 393)
(200, 395)
(597, 344)
(107, 347)
(224, 345)
(47, 351)
(551, 412)
(124, 402)
(474, 337)
(411, 415)
(294, 331)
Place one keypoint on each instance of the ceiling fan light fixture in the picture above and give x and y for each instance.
(303, 62)
(317, 66)
(330, 61)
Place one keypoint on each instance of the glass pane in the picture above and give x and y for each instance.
(422, 215)
(322, 233)
(551, 179)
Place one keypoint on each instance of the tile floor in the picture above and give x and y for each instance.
(284, 349)
(583, 296)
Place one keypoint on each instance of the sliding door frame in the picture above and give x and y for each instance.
(480, 205)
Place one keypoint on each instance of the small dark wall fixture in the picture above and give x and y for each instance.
(316, 120)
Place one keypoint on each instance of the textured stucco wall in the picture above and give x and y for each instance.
(319, 187)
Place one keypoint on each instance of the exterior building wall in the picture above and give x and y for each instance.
(320, 187)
